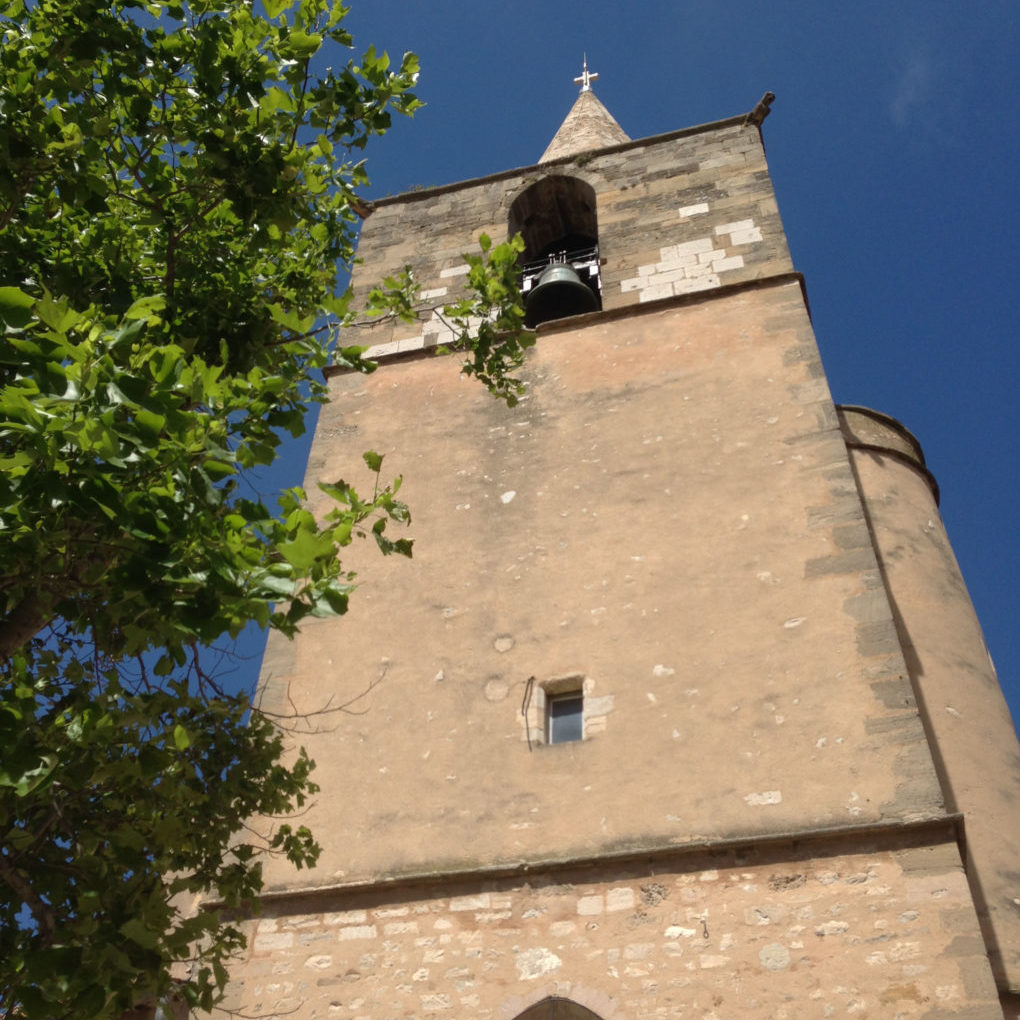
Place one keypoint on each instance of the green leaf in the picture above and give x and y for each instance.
(182, 739)
(31, 778)
(218, 469)
(306, 548)
(373, 460)
(146, 308)
(151, 424)
(302, 44)
(15, 306)
(135, 930)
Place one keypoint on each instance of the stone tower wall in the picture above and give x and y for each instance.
(962, 704)
(670, 521)
(670, 516)
(872, 928)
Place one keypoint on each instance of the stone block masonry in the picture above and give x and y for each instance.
(693, 265)
(842, 930)
(676, 215)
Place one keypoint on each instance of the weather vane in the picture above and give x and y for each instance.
(586, 79)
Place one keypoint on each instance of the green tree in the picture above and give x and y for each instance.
(177, 195)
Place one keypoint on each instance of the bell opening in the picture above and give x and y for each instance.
(560, 267)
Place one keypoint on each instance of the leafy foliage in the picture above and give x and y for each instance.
(177, 196)
(492, 318)
(176, 200)
(118, 801)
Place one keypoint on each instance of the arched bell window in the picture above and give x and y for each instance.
(555, 1008)
(560, 265)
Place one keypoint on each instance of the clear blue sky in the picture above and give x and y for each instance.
(894, 152)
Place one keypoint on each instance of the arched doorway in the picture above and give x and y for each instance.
(555, 1008)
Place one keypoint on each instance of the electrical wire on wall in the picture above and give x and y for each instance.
(529, 686)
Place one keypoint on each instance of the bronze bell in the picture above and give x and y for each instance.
(558, 293)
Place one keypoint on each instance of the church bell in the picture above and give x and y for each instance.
(558, 293)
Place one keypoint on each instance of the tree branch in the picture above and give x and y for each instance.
(20, 625)
(41, 910)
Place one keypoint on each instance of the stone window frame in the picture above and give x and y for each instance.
(593, 713)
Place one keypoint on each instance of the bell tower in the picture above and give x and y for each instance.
(681, 708)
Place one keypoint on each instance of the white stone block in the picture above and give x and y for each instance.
(455, 271)
(660, 291)
(694, 247)
(699, 283)
(536, 962)
(274, 940)
(728, 228)
(712, 256)
(749, 236)
(698, 272)
(634, 283)
(646, 270)
(734, 262)
(345, 917)
(360, 931)
(693, 210)
(434, 1002)
(712, 960)
(589, 906)
(384, 912)
(620, 899)
(382, 350)
(669, 277)
(730, 160)
(436, 292)
(480, 902)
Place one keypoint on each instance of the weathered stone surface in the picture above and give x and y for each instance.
(859, 934)
(667, 512)
(643, 194)
(588, 125)
(769, 633)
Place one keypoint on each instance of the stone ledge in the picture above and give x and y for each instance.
(869, 430)
(897, 834)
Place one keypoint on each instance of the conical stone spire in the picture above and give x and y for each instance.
(589, 125)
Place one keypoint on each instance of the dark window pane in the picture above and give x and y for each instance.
(565, 718)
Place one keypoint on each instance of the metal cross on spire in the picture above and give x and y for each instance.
(586, 78)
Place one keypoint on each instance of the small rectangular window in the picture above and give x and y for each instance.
(565, 717)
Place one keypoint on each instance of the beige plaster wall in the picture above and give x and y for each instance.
(872, 931)
(669, 514)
